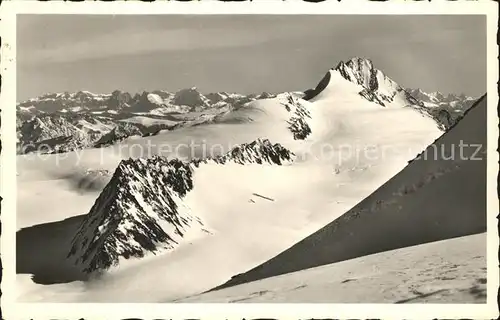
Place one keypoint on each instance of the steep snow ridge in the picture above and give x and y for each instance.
(141, 209)
(439, 195)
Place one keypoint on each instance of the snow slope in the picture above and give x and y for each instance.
(440, 195)
(141, 210)
(252, 211)
(448, 271)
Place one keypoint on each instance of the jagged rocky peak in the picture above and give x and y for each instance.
(376, 86)
(190, 97)
(356, 70)
(362, 71)
(260, 151)
(141, 210)
(298, 122)
(119, 99)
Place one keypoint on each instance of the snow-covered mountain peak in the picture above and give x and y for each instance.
(377, 86)
(142, 209)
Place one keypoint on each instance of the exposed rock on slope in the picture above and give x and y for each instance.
(260, 151)
(141, 209)
(439, 195)
(298, 121)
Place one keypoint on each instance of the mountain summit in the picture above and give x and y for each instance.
(377, 87)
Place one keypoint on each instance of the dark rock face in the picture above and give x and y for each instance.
(370, 96)
(311, 93)
(141, 209)
(189, 97)
(298, 122)
(119, 99)
(362, 72)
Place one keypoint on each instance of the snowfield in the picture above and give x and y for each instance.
(251, 212)
(426, 201)
(449, 271)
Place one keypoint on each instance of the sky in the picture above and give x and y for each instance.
(243, 53)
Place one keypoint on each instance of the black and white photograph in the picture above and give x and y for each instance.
(252, 158)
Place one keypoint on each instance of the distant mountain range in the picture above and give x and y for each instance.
(63, 122)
